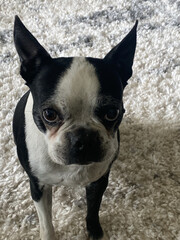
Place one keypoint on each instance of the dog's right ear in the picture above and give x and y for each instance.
(31, 53)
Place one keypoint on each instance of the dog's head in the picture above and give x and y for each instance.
(77, 102)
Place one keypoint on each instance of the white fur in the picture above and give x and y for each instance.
(78, 90)
(44, 210)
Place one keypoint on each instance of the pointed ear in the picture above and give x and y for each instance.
(31, 53)
(122, 55)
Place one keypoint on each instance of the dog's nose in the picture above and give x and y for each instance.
(84, 146)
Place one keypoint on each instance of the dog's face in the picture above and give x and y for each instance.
(77, 102)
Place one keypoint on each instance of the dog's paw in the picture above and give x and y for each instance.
(48, 235)
(104, 237)
(94, 229)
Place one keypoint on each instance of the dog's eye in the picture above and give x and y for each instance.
(112, 114)
(50, 115)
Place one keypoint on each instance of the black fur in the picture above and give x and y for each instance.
(94, 193)
(122, 55)
(19, 133)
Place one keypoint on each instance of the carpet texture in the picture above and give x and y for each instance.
(142, 201)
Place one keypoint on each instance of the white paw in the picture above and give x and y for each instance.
(47, 236)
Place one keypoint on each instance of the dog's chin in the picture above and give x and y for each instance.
(60, 160)
(69, 162)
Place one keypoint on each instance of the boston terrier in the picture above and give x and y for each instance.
(66, 126)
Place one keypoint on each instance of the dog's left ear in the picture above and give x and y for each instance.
(122, 55)
(30, 51)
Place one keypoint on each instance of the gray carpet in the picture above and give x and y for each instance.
(142, 201)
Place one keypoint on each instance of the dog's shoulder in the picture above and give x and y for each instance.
(19, 131)
(19, 118)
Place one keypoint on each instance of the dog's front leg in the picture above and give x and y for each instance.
(44, 209)
(94, 193)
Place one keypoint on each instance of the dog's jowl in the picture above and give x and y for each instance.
(66, 126)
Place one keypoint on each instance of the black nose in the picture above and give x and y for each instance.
(84, 146)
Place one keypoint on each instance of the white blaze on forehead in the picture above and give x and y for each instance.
(78, 88)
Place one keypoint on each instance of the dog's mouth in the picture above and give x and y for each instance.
(79, 163)
(84, 158)
(70, 156)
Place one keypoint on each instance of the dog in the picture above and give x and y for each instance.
(66, 126)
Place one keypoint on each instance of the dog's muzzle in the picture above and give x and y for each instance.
(84, 146)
